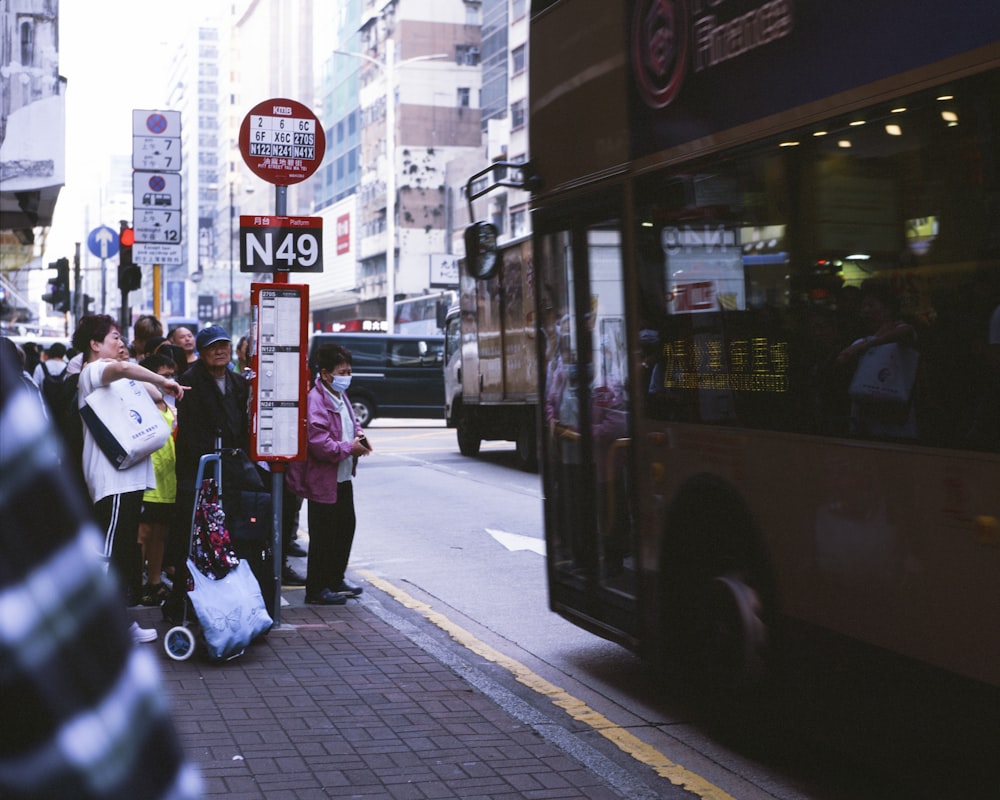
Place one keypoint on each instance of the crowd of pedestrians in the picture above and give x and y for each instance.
(144, 512)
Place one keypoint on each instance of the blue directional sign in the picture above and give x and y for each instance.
(103, 242)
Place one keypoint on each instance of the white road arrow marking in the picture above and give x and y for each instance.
(517, 541)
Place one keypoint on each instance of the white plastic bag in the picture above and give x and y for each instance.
(885, 374)
(231, 610)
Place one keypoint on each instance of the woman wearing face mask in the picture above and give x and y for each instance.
(325, 478)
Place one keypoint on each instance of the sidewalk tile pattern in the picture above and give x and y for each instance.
(337, 703)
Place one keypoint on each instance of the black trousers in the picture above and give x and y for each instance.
(117, 516)
(331, 535)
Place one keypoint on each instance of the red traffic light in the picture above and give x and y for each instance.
(127, 237)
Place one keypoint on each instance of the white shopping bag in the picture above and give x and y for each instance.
(125, 422)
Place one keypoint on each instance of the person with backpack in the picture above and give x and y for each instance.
(50, 375)
(52, 367)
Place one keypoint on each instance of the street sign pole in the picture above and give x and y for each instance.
(282, 141)
(157, 276)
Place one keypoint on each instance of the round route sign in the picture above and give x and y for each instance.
(282, 141)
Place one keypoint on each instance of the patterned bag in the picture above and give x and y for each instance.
(212, 551)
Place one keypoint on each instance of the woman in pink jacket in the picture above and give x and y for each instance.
(324, 478)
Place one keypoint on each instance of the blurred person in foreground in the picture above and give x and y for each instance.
(84, 711)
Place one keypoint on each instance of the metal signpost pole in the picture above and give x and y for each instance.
(282, 142)
(277, 467)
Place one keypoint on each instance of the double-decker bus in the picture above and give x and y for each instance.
(767, 264)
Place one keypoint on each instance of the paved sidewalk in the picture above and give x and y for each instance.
(339, 703)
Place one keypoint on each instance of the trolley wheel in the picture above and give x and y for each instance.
(179, 643)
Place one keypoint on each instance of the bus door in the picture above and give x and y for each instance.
(587, 416)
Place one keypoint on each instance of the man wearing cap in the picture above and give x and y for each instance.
(216, 407)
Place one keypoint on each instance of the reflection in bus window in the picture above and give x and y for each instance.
(586, 388)
(752, 266)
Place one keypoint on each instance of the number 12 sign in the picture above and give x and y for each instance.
(281, 244)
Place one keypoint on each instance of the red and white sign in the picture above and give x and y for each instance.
(282, 141)
(343, 234)
(279, 315)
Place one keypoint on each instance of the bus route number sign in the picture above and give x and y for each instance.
(282, 141)
(281, 244)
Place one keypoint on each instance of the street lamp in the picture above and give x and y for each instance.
(388, 68)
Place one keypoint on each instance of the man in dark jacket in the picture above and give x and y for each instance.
(217, 407)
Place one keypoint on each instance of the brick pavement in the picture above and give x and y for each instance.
(339, 703)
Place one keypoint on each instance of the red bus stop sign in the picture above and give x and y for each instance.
(282, 141)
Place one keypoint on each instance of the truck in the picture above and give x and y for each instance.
(491, 363)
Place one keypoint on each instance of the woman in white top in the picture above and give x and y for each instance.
(116, 494)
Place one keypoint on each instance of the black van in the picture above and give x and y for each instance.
(393, 375)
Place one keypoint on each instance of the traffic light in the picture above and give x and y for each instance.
(129, 274)
(58, 294)
(88, 305)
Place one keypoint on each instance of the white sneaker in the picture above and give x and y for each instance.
(140, 635)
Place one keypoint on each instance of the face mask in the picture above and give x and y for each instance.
(341, 383)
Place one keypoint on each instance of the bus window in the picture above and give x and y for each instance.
(757, 267)
(586, 389)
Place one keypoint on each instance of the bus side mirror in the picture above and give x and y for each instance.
(481, 250)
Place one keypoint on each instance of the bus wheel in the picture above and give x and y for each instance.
(717, 586)
(468, 434)
(526, 444)
(728, 633)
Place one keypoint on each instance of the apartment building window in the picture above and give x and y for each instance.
(517, 9)
(27, 43)
(518, 222)
(467, 55)
(517, 115)
(517, 59)
(463, 96)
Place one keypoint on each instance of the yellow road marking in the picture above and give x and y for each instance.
(576, 708)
